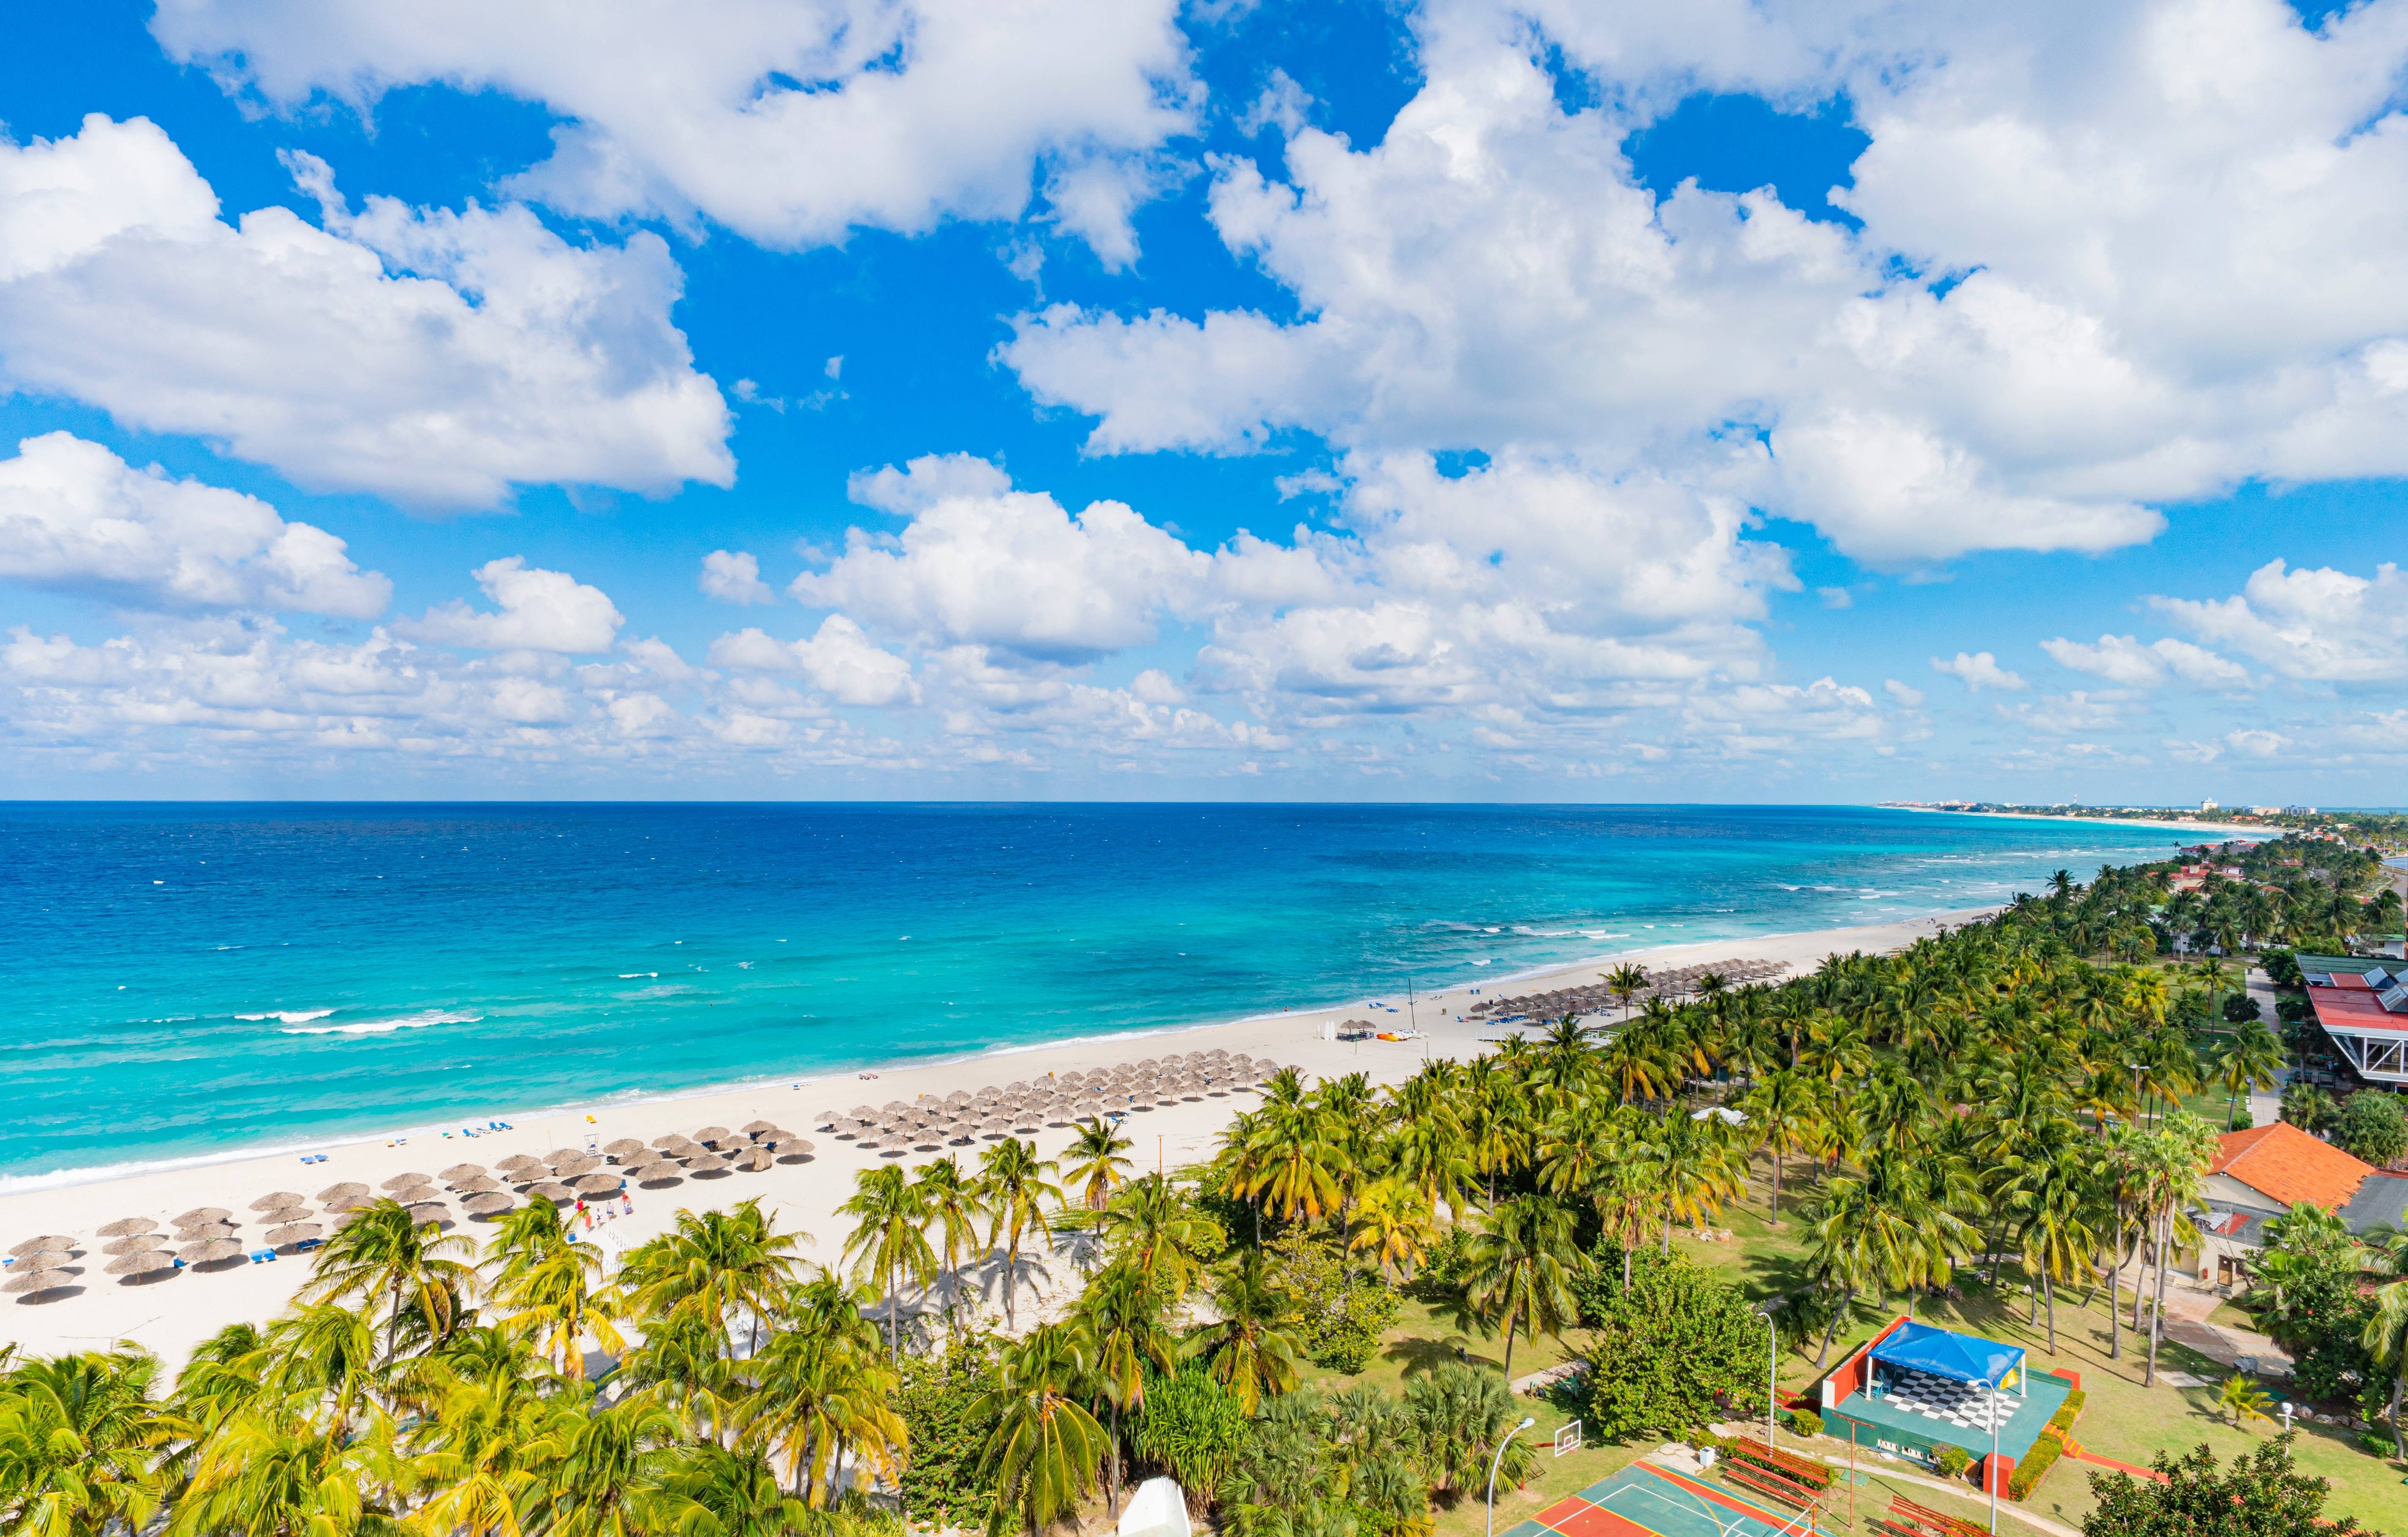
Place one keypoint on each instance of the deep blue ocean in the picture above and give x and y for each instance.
(187, 980)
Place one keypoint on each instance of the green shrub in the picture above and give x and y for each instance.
(1191, 1428)
(2376, 1445)
(1666, 1349)
(2371, 1128)
(1953, 1461)
(1340, 1312)
(1806, 1422)
(2035, 1465)
(938, 1401)
(1442, 1269)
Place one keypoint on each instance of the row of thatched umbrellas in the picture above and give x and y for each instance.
(712, 1150)
(964, 1115)
(1674, 983)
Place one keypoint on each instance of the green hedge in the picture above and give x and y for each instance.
(2070, 1410)
(2035, 1463)
(1806, 1422)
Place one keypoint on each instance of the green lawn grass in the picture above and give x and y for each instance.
(2122, 1420)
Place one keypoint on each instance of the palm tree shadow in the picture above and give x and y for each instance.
(1417, 1353)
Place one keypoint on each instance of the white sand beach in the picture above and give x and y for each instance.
(170, 1316)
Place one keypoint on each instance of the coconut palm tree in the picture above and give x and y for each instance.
(821, 1392)
(1014, 1189)
(714, 1266)
(74, 1438)
(1625, 982)
(1780, 1111)
(1300, 1159)
(2251, 1058)
(949, 1205)
(1045, 1447)
(547, 1286)
(1094, 1165)
(1394, 1225)
(1518, 1269)
(2386, 1336)
(2052, 1188)
(1121, 1319)
(889, 1242)
(604, 1471)
(1249, 1347)
(1694, 1169)
(381, 1254)
(479, 1447)
(729, 1492)
(1152, 1225)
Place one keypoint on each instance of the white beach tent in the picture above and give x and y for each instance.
(1157, 1509)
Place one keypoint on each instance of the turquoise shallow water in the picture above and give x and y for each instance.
(183, 981)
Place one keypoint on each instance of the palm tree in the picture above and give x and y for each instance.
(730, 1492)
(1095, 1167)
(547, 1284)
(950, 1204)
(1394, 1225)
(2386, 1336)
(604, 1471)
(1120, 1319)
(1625, 982)
(714, 1266)
(1043, 1452)
(1153, 1226)
(1780, 1112)
(1518, 1269)
(2251, 1059)
(1250, 1349)
(1693, 1170)
(1013, 1187)
(889, 1241)
(2052, 1187)
(479, 1449)
(381, 1253)
(1299, 1161)
(822, 1391)
(75, 1433)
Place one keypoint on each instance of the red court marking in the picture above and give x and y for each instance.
(1597, 1521)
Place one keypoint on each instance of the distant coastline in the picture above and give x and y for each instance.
(2236, 829)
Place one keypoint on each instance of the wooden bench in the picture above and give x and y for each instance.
(1764, 1481)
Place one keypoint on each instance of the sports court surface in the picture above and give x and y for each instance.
(1645, 1501)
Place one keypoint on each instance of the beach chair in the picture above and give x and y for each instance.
(261, 1257)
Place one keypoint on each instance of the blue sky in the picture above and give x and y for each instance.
(1548, 401)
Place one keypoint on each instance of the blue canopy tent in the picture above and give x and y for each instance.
(1960, 1358)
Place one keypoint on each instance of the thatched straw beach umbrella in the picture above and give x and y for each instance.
(459, 1171)
(476, 1185)
(203, 1214)
(128, 1226)
(594, 1185)
(403, 1182)
(552, 1191)
(429, 1211)
(623, 1147)
(294, 1232)
(282, 1215)
(141, 1263)
(490, 1203)
(209, 1251)
(343, 1191)
(44, 1259)
(280, 1198)
(40, 1281)
(133, 1244)
(754, 1128)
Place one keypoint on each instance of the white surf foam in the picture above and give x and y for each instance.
(386, 1027)
(290, 1016)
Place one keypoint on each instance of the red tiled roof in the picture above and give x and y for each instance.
(2284, 1162)
(2353, 1009)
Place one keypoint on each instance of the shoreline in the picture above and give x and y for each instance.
(2231, 828)
(173, 1313)
(12, 1185)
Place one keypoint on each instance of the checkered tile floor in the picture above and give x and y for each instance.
(1961, 1404)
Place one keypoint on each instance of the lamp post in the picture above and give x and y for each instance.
(1527, 1422)
(1990, 1469)
(1772, 1370)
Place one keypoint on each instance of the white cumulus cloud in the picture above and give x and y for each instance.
(2323, 624)
(734, 576)
(435, 357)
(74, 515)
(1977, 672)
(838, 660)
(537, 611)
(790, 123)
(2123, 659)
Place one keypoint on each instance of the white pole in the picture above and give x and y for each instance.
(1772, 1372)
(1990, 1469)
(1527, 1422)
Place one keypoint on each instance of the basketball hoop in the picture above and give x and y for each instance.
(1567, 1439)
